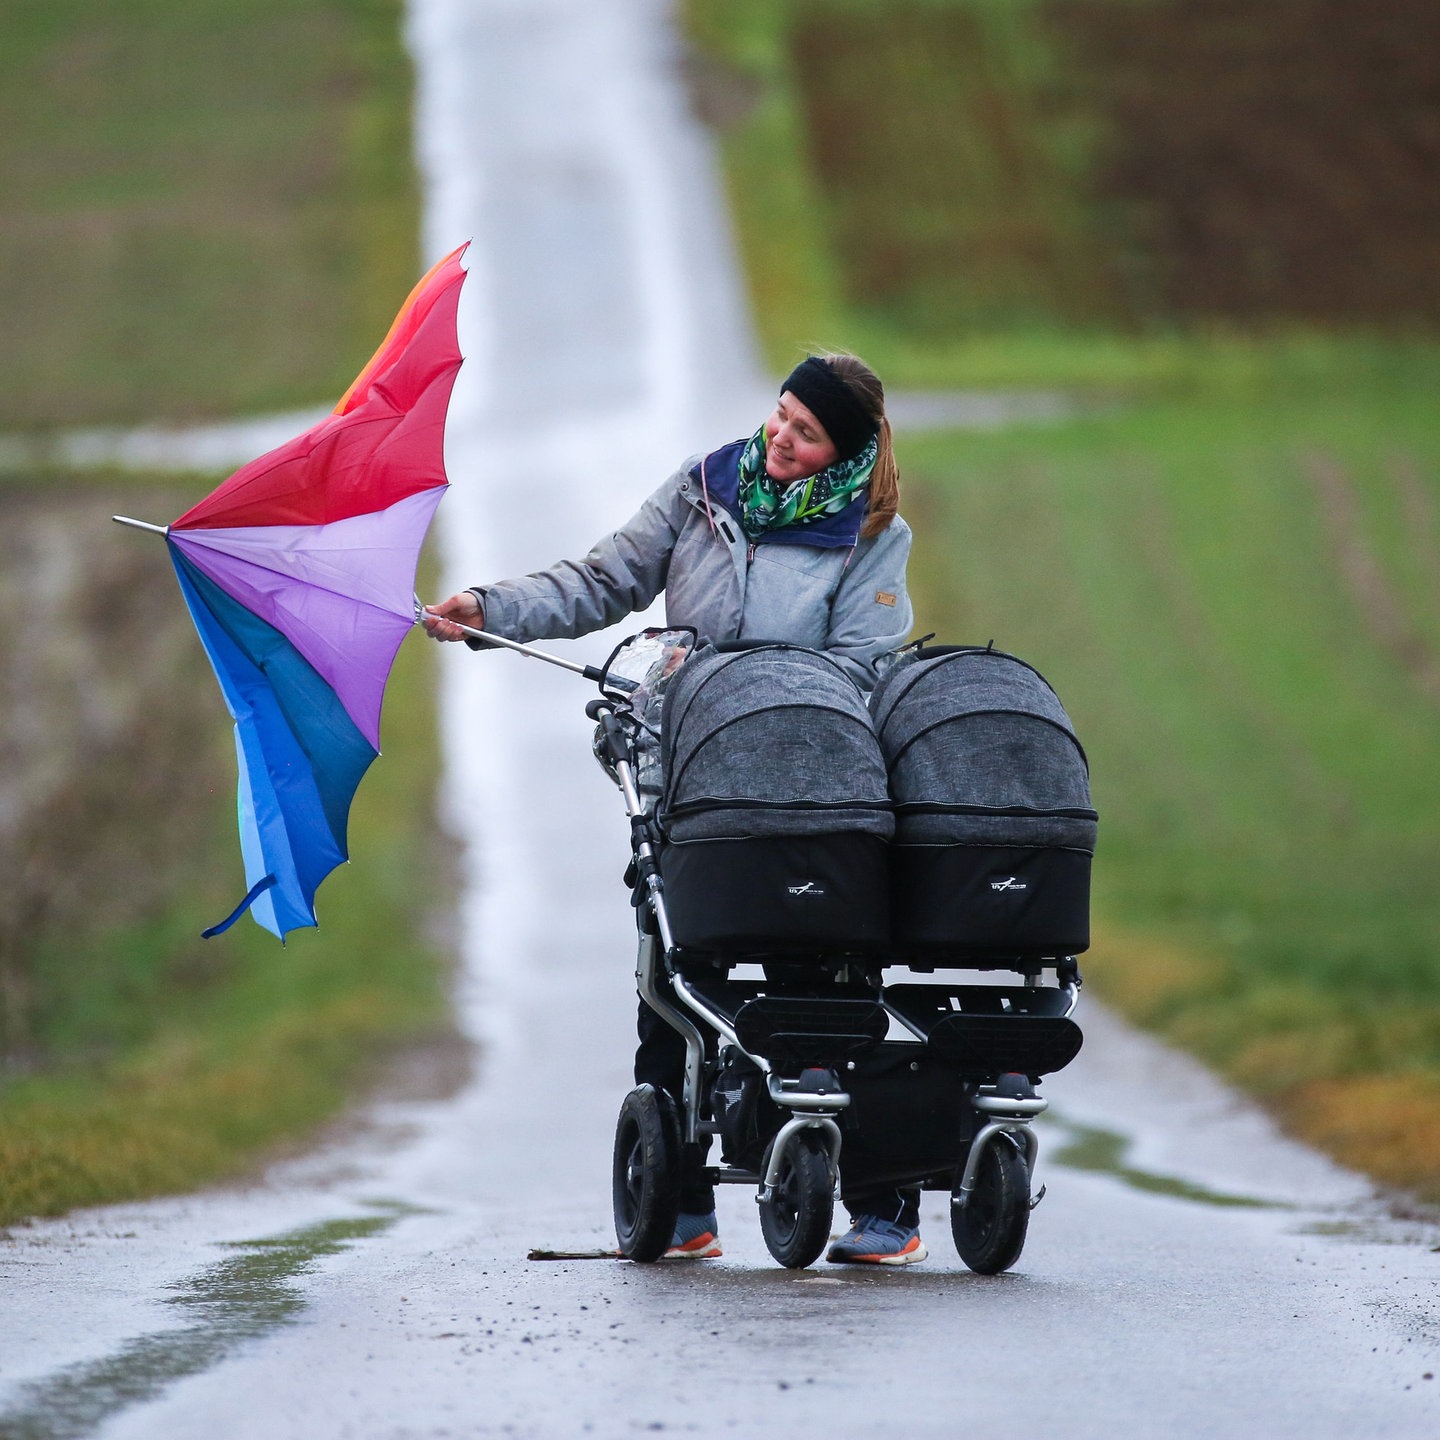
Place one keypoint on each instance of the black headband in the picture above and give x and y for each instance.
(817, 387)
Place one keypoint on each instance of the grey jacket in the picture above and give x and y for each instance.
(851, 603)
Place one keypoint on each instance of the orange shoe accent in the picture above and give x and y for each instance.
(702, 1247)
(912, 1254)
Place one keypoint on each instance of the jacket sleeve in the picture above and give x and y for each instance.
(623, 573)
(871, 613)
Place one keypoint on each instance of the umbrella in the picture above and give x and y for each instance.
(299, 573)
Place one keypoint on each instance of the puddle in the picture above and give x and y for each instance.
(1370, 1232)
(1102, 1152)
(1377, 1229)
(228, 1304)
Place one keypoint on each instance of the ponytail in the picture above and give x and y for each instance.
(865, 385)
(884, 486)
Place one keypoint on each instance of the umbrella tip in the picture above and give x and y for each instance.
(141, 524)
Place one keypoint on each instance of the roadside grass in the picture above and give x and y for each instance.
(1226, 563)
(747, 72)
(210, 208)
(1235, 594)
(995, 192)
(160, 1061)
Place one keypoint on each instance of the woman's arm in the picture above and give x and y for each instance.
(871, 613)
(623, 573)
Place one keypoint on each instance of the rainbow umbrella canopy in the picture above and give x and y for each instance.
(299, 572)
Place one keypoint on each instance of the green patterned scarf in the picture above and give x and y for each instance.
(764, 505)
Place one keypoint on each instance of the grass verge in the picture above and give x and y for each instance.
(1235, 595)
(156, 1061)
(1226, 567)
(210, 210)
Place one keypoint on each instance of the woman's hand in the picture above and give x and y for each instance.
(464, 608)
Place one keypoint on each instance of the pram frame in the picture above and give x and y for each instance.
(1007, 1115)
(811, 1110)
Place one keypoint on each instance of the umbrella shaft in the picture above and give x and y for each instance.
(588, 671)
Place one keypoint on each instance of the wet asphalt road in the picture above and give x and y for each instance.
(1189, 1273)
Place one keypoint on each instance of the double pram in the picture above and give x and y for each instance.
(852, 914)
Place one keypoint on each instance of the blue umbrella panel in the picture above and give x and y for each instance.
(300, 755)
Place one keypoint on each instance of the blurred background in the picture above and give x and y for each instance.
(1210, 227)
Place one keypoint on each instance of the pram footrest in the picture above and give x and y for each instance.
(795, 1031)
(983, 1030)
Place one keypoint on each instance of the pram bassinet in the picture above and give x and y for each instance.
(994, 829)
(774, 811)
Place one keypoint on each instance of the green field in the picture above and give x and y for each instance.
(1236, 596)
(1227, 563)
(209, 210)
(209, 207)
(1080, 192)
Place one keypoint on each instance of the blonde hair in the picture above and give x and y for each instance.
(864, 384)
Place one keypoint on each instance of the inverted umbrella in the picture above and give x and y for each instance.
(299, 573)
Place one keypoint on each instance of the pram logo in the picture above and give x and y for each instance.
(808, 888)
(1008, 882)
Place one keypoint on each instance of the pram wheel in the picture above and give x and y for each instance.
(646, 1174)
(989, 1229)
(795, 1217)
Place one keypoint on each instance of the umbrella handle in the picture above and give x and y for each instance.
(589, 672)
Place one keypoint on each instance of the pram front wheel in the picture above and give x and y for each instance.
(795, 1216)
(646, 1174)
(989, 1229)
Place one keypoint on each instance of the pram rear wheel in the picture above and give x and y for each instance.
(795, 1217)
(646, 1174)
(989, 1229)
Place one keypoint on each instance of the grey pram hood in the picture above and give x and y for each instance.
(767, 740)
(981, 752)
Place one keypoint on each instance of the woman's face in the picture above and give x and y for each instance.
(796, 443)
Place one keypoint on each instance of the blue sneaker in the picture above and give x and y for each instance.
(872, 1241)
(695, 1238)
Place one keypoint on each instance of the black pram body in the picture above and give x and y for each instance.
(775, 811)
(994, 829)
(945, 824)
(950, 817)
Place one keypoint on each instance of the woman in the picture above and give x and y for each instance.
(790, 535)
